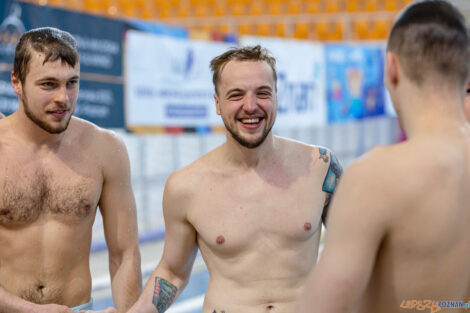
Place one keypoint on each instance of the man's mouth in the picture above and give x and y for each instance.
(250, 121)
(58, 113)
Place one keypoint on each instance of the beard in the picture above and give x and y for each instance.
(245, 143)
(43, 124)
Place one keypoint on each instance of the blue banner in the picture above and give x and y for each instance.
(100, 49)
(354, 78)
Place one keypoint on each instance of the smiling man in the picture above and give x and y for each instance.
(253, 205)
(55, 170)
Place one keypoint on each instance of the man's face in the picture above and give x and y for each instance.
(247, 101)
(467, 102)
(49, 93)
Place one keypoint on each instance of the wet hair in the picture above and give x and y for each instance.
(247, 53)
(54, 43)
(430, 37)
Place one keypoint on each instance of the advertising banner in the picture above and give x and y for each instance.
(169, 83)
(354, 75)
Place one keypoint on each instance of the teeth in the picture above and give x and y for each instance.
(250, 120)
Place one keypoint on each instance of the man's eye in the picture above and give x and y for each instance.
(47, 84)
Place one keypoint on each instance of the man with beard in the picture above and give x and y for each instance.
(253, 205)
(55, 170)
(398, 236)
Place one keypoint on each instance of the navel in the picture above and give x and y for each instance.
(220, 240)
(307, 226)
(4, 212)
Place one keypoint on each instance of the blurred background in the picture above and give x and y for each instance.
(145, 74)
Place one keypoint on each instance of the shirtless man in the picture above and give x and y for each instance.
(398, 230)
(253, 205)
(55, 170)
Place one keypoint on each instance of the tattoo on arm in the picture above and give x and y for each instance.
(164, 294)
(220, 311)
(331, 180)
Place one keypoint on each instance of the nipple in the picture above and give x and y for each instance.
(220, 240)
(307, 226)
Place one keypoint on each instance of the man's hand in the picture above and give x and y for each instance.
(52, 308)
(108, 310)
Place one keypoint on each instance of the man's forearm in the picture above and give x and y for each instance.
(159, 293)
(10, 303)
(164, 294)
(126, 283)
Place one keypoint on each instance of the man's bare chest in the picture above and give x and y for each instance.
(31, 188)
(234, 217)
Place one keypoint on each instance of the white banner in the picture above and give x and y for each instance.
(301, 86)
(168, 81)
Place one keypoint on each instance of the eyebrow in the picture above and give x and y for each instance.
(241, 90)
(55, 78)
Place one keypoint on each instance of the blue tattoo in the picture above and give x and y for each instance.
(164, 294)
(331, 181)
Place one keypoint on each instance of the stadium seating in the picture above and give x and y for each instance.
(346, 19)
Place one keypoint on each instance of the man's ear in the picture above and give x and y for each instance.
(392, 70)
(17, 85)
(217, 104)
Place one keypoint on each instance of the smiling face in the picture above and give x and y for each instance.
(49, 93)
(247, 101)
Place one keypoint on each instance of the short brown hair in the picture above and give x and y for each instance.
(430, 37)
(247, 53)
(55, 43)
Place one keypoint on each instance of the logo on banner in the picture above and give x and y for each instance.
(12, 26)
(183, 66)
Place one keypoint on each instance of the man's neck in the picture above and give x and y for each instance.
(243, 157)
(29, 132)
(430, 110)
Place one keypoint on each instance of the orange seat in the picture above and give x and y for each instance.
(276, 7)
(302, 31)
(352, 6)
(256, 8)
(294, 7)
(361, 30)
(382, 29)
(263, 30)
(332, 6)
(371, 6)
(281, 30)
(244, 29)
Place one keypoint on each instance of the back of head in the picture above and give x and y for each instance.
(431, 40)
(247, 53)
(52, 42)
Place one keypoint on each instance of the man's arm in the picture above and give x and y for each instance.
(10, 303)
(357, 225)
(172, 273)
(117, 206)
(332, 177)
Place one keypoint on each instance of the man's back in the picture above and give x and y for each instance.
(425, 251)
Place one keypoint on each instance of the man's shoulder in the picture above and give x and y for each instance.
(389, 171)
(94, 134)
(301, 148)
